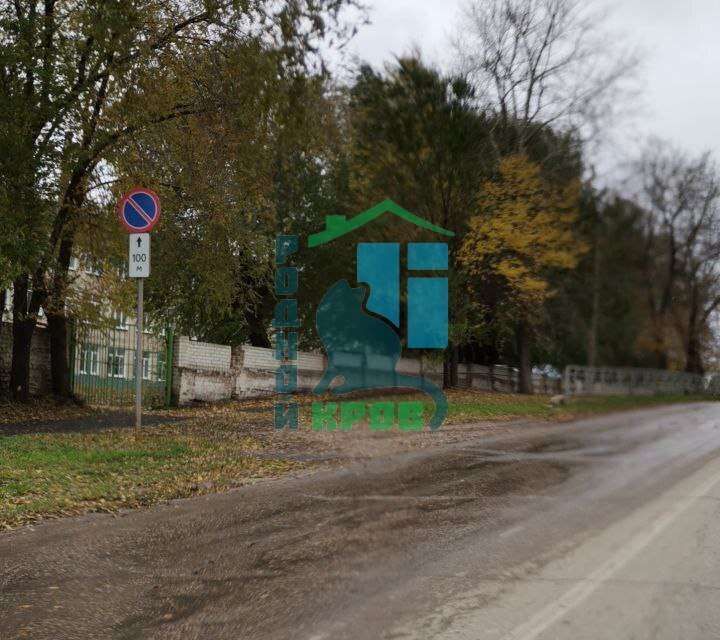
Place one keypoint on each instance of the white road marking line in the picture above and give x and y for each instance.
(548, 616)
(511, 531)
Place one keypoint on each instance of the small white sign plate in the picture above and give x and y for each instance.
(139, 255)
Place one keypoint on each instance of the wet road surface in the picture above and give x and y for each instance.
(602, 528)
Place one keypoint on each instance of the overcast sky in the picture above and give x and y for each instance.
(679, 80)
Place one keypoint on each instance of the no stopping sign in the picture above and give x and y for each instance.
(139, 210)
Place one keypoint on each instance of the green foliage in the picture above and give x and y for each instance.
(227, 111)
(82, 82)
(613, 273)
(214, 244)
(418, 139)
(522, 230)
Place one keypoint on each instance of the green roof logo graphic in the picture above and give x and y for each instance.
(337, 226)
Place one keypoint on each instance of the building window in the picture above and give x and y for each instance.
(146, 365)
(116, 362)
(120, 320)
(121, 269)
(161, 366)
(91, 266)
(89, 360)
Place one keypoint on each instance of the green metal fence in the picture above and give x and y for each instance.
(102, 364)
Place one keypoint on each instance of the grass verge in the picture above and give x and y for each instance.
(46, 475)
(468, 406)
(464, 407)
(217, 447)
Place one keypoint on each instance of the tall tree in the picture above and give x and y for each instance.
(542, 63)
(417, 137)
(212, 250)
(79, 77)
(523, 227)
(682, 196)
(598, 314)
(542, 67)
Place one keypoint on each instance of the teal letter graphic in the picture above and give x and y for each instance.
(378, 264)
(286, 415)
(427, 313)
(285, 246)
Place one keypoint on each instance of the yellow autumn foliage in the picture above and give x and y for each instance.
(523, 228)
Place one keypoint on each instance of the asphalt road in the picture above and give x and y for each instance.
(603, 528)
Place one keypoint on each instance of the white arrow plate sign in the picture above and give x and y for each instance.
(139, 255)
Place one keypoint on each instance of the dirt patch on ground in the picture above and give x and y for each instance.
(91, 420)
(364, 522)
(258, 559)
(360, 443)
(38, 410)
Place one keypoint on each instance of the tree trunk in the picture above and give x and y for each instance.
(450, 366)
(693, 348)
(693, 362)
(595, 313)
(23, 328)
(446, 368)
(3, 303)
(454, 365)
(523, 346)
(58, 324)
(59, 359)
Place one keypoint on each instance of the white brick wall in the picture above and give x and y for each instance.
(311, 362)
(205, 372)
(206, 356)
(259, 358)
(195, 385)
(409, 366)
(257, 374)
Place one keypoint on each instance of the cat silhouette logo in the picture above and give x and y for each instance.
(360, 326)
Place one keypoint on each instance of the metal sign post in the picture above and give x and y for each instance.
(138, 354)
(139, 212)
(139, 268)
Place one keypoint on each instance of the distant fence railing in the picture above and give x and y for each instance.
(504, 379)
(102, 364)
(599, 381)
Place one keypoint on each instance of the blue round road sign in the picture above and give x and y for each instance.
(139, 210)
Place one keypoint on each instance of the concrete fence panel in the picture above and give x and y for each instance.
(603, 381)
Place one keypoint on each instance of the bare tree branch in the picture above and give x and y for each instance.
(542, 62)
